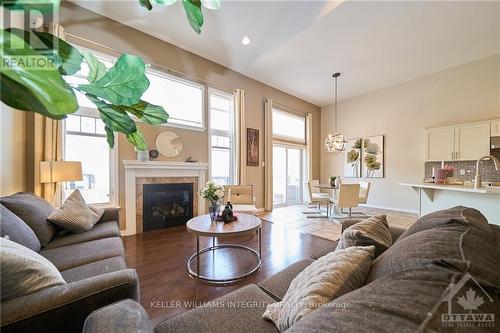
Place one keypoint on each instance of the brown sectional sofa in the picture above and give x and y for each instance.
(92, 264)
(405, 290)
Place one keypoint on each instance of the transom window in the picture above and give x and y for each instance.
(222, 145)
(287, 125)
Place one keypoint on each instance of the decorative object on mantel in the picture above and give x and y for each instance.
(252, 147)
(352, 165)
(335, 143)
(153, 153)
(191, 160)
(142, 155)
(373, 156)
(169, 144)
(213, 193)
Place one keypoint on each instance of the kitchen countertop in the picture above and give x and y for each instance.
(456, 188)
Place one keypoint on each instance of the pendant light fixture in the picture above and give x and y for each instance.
(335, 143)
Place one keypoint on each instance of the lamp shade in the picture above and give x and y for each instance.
(60, 171)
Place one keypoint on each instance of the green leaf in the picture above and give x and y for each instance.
(211, 4)
(149, 113)
(193, 14)
(26, 87)
(146, 4)
(96, 68)
(110, 136)
(137, 139)
(123, 84)
(44, 6)
(165, 2)
(115, 120)
(66, 57)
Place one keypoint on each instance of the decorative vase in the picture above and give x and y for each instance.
(440, 176)
(332, 181)
(338, 181)
(213, 210)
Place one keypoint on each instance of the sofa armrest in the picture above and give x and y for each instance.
(125, 316)
(65, 308)
(110, 214)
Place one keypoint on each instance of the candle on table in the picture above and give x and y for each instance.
(433, 171)
(442, 164)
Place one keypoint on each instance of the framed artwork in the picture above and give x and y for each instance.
(373, 156)
(252, 147)
(352, 160)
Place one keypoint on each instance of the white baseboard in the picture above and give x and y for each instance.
(391, 208)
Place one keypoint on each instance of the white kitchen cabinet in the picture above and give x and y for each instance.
(440, 144)
(472, 141)
(495, 128)
(460, 142)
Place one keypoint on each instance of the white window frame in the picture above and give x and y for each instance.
(234, 163)
(178, 78)
(113, 159)
(113, 153)
(291, 115)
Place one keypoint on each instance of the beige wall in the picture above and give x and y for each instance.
(13, 162)
(106, 32)
(461, 94)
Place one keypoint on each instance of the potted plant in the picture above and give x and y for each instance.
(213, 193)
(332, 180)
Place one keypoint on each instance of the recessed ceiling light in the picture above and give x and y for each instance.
(245, 40)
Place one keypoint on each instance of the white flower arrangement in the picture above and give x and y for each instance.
(212, 191)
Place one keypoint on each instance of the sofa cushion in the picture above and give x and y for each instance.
(124, 316)
(402, 302)
(24, 271)
(327, 278)
(330, 248)
(371, 231)
(449, 239)
(99, 231)
(239, 311)
(12, 227)
(74, 215)
(277, 285)
(70, 256)
(34, 211)
(93, 269)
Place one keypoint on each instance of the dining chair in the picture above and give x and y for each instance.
(317, 199)
(346, 197)
(241, 197)
(364, 190)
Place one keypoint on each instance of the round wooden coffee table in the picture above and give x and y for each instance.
(203, 226)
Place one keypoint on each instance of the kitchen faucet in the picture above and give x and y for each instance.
(477, 180)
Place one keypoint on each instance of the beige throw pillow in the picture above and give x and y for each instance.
(372, 231)
(327, 278)
(24, 271)
(74, 215)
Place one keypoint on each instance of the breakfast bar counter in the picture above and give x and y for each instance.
(434, 197)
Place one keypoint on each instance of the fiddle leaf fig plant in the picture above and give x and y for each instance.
(192, 8)
(34, 66)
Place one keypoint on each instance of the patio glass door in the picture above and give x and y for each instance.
(288, 175)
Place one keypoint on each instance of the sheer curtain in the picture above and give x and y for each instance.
(239, 131)
(268, 155)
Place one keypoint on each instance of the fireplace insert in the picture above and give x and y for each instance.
(166, 205)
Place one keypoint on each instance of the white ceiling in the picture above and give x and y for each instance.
(296, 45)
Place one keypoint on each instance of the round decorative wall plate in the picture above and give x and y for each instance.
(169, 144)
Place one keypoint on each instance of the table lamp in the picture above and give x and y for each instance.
(58, 172)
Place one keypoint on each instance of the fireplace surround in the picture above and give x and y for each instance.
(139, 173)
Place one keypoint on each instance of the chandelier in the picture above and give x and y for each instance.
(335, 143)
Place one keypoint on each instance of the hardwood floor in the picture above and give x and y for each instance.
(160, 259)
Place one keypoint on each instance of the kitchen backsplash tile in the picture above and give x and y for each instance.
(487, 170)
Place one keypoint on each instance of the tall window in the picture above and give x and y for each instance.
(85, 141)
(289, 157)
(222, 141)
(182, 99)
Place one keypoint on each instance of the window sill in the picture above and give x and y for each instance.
(186, 127)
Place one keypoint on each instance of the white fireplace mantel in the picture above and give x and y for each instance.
(136, 169)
